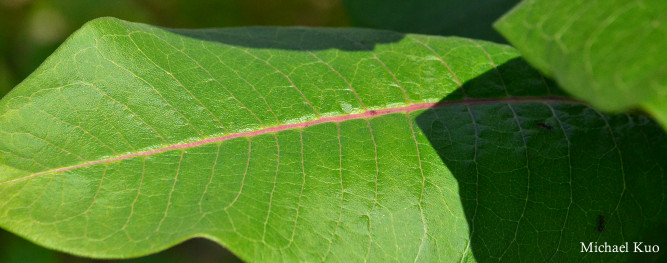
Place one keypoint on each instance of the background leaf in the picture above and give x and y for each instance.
(472, 18)
(317, 144)
(17, 250)
(609, 53)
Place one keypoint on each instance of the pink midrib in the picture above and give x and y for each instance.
(367, 114)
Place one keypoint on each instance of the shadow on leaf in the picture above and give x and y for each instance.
(296, 38)
(536, 179)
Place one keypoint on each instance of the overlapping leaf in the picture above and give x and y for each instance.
(609, 53)
(317, 145)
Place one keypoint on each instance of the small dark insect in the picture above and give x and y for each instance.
(601, 223)
(544, 125)
(373, 112)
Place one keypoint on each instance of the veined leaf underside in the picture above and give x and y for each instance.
(316, 145)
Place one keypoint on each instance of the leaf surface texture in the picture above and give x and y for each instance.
(288, 144)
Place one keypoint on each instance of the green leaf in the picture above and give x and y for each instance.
(297, 144)
(609, 53)
(470, 18)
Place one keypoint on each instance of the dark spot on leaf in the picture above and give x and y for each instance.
(544, 126)
(601, 223)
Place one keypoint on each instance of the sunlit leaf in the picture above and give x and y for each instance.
(298, 144)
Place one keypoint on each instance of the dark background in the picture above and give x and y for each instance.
(30, 30)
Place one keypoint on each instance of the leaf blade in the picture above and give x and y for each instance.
(289, 185)
(607, 53)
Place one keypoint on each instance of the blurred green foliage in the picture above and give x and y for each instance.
(17, 250)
